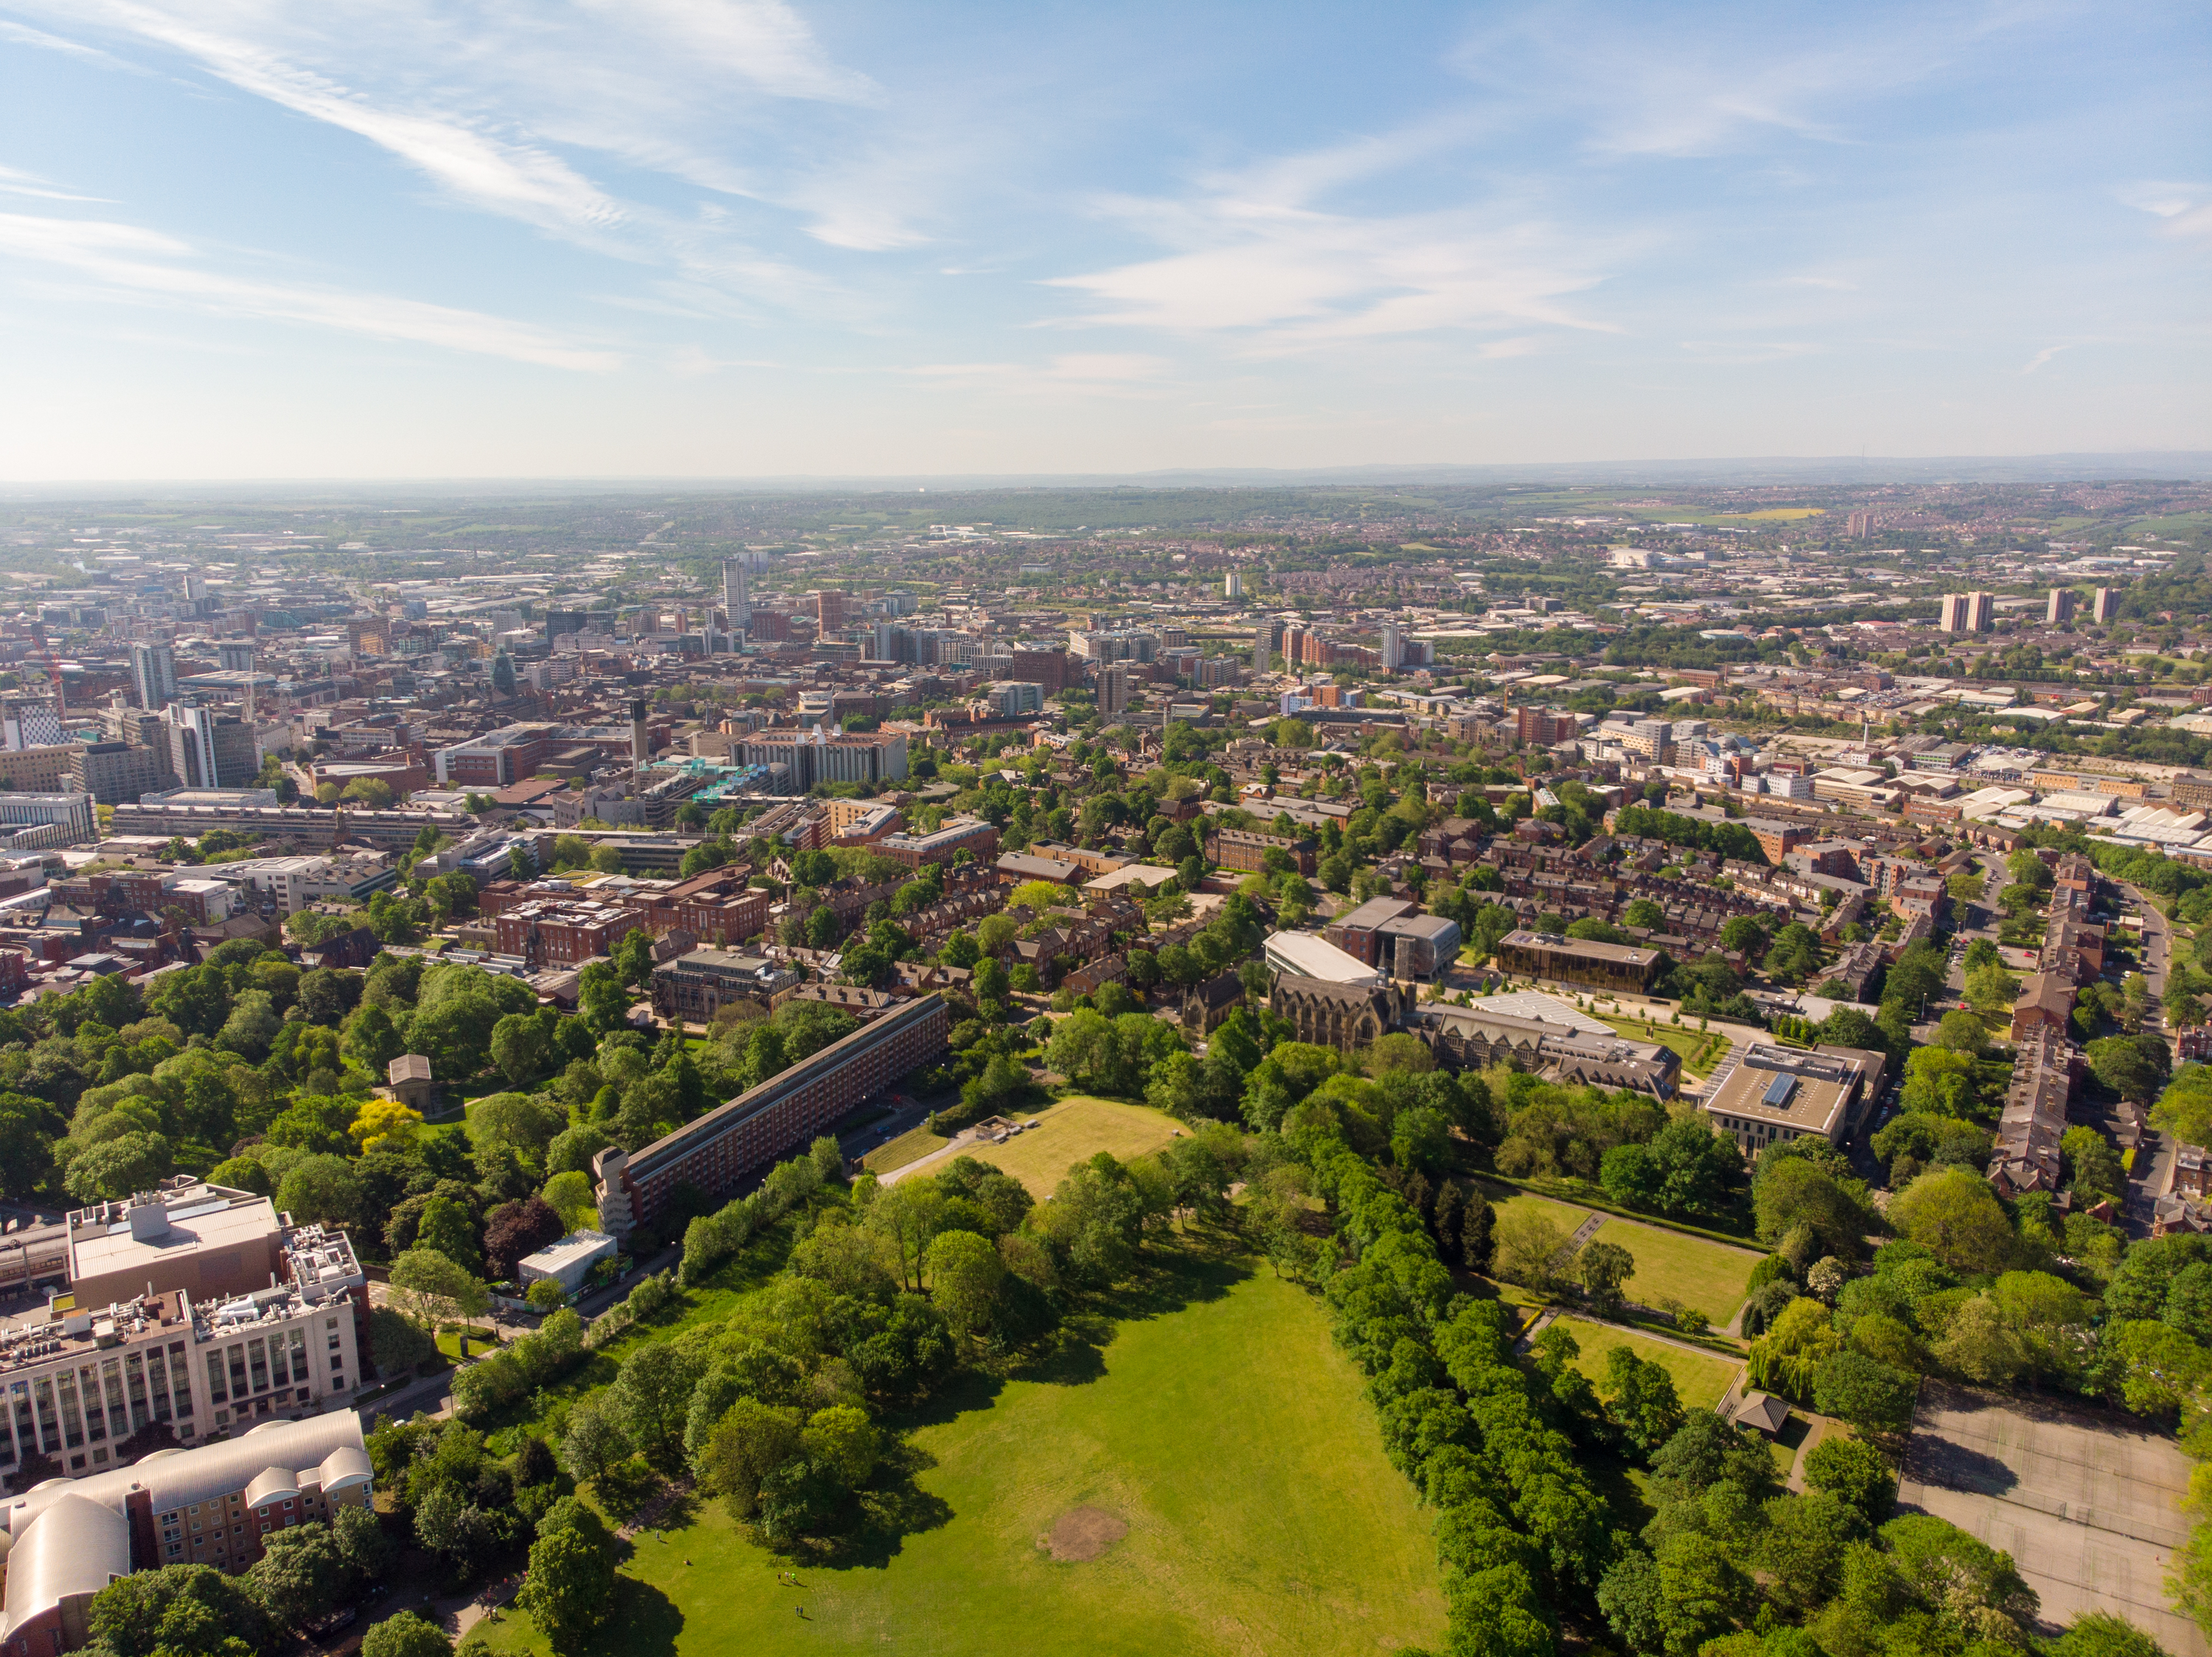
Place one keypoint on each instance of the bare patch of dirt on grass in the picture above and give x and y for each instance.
(1081, 1533)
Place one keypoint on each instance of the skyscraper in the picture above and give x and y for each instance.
(1232, 585)
(1114, 688)
(828, 612)
(154, 675)
(1967, 612)
(2060, 607)
(1390, 647)
(1264, 639)
(2107, 605)
(734, 602)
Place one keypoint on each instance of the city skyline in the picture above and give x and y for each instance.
(697, 240)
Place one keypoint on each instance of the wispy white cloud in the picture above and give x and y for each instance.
(2186, 209)
(1294, 278)
(126, 261)
(15, 182)
(504, 105)
(1090, 373)
(2043, 356)
(1640, 82)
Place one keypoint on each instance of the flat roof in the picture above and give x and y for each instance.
(217, 1221)
(575, 1246)
(1787, 1087)
(1588, 947)
(1313, 957)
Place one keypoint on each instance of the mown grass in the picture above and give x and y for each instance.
(1073, 1130)
(1710, 1277)
(1213, 1418)
(1700, 1382)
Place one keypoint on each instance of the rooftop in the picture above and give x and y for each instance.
(157, 1226)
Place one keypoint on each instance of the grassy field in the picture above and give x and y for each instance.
(1075, 1130)
(1698, 1049)
(1710, 1276)
(1070, 1130)
(1699, 1381)
(1218, 1423)
(915, 1142)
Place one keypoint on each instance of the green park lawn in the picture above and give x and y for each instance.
(914, 1144)
(1074, 1130)
(1710, 1277)
(1698, 1049)
(1217, 1423)
(1071, 1130)
(1699, 1381)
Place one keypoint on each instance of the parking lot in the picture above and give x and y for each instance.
(2089, 1505)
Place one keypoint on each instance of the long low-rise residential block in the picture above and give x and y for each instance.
(310, 825)
(717, 1153)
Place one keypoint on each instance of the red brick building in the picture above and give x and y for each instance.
(550, 932)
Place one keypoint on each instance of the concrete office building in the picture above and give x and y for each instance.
(72, 814)
(1780, 1093)
(1114, 689)
(208, 750)
(113, 773)
(153, 675)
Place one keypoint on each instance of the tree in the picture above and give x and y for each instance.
(652, 1390)
(300, 1575)
(323, 1190)
(600, 1002)
(2101, 1634)
(446, 1226)
(519, 1228)
(1523, 1243)
(593, 1441)
(750, 1442)
(1646, 914)
(1955, 1215)
(368, 1553)
(965, 1273)
(1855, 1473)
(570, 1587)
(2133, 1067)
(433, 1289)
(405, 1634)
(371, 1040)
(181, 1611)
(1603, 1267)
(1869, 1395)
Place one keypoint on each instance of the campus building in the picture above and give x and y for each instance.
(764, 1125)
(1780, 1093)
(1579, 961)
(189, 1312)
(696, 986)
(1247, 849)
(214, 1505)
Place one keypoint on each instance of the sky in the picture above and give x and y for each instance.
(247, 240)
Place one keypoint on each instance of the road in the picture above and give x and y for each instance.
(2155, 1160)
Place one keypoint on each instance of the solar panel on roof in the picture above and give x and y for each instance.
(1779, 1091)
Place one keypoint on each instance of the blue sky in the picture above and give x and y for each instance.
(699, 238)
